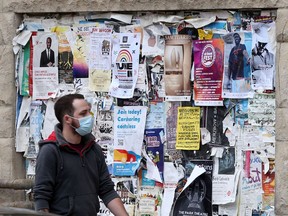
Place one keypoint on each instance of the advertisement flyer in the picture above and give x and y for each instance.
(99, 80)
(129, 125)
(155, 74)
(208, 72)
(261, 110)
(268, 185)
(45, 82)
(31, 63)
(192, 198)
(100, 48)
(23, 126)
(100, 59)
(205, 199)
(64, 49)
(45, 62)
(156, 118)
(37, 114)
(251, 183)
(25, 77)
(125, 64)
(171, 123)
(65, 56)
(188, 128)
(263, 55)
(79, 40)
(237, 70)
(214, 123)
(149, 201)
(225, 178)
(177, 67)
(155, 146)
(104, 133)
(45, 47)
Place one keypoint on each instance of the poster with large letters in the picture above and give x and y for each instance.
(208, 72)
(129, 125)
(125, 64)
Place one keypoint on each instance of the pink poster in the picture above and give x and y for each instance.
(208, 72)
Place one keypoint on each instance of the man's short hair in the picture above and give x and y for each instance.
(236, 35)
(64, 105)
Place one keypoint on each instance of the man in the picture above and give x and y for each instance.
(47, 56)
(71, 171)
(262, 65)
(261, 57)
(236, 61)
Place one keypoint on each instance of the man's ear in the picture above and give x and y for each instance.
(67, 119)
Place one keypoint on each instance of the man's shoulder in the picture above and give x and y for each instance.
(97, 148)
(48, 145)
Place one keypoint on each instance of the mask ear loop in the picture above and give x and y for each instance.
(71, 123)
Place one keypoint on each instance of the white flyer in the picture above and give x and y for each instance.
(125, 64)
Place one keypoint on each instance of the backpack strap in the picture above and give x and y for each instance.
(60, 161)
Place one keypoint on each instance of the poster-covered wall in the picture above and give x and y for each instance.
(190, 93)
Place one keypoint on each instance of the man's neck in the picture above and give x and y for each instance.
(71, 136)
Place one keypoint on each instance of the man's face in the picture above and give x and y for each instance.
(81, 109)
(261, 47)
(48, 43)
(237, 39)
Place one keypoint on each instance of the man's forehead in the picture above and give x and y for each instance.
(81, 104)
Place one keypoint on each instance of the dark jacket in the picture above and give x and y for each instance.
(44, 60)
(69, 183)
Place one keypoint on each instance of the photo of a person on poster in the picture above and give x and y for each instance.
(263, 55)
(262, 64)
(47, 58)
(236, 62)
(227, 162)
(262, 58)
(237, 77)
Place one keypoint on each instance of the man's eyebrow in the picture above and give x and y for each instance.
(84, 111)
(89, 104)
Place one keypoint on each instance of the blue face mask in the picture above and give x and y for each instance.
(86, 124)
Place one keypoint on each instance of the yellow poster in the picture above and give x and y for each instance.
(188, 128)
(99, 80)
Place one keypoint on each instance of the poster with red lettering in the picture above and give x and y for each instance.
(45, 66)
(208, 72)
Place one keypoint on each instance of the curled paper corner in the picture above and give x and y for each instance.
(197, 171)
(152, 170)
(265, 161)
(205, 136)
(217, 152)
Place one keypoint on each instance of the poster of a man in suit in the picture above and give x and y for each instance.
(45, 65)
(45, 50)
(47, 58)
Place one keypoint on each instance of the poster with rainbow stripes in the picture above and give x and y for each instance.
(125, 64)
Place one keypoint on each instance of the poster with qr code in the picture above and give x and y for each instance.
(129, 125)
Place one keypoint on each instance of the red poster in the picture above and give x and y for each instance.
(31, 65)
(268, 185)
(208, 72)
